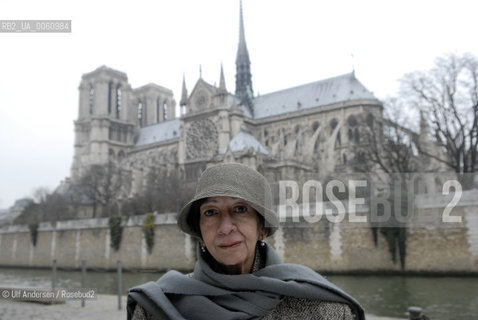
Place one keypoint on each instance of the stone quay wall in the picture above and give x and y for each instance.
(433, 246)
(69, 242)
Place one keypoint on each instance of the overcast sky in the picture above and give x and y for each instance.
(290, 42)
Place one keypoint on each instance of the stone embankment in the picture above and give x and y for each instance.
(440, 239)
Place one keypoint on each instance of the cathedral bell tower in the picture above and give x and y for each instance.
(105, 126)
(244, 89)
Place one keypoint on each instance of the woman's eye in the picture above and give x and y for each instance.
(241, 209)
(209, 212)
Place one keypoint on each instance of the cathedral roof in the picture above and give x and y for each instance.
(244, 141)
(104, 70)
(316, 94)
(158, 132)
(152, 87)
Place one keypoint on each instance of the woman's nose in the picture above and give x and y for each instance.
(227, 224)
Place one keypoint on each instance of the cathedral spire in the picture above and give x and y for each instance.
(243, 66)
(222, 81)
(184, 94)
(242, 36)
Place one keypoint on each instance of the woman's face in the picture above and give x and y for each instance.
(230, 229)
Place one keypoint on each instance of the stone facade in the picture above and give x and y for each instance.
(108, 126)
(308, 130)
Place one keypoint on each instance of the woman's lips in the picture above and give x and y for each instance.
(230, 245)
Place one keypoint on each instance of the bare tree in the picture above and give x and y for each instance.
(448, 95)
(164, 191)
(55, 207)
(50, 207)
(40, 194)
(101, 184)
(386, 143)
(387, 152)
(151, 200)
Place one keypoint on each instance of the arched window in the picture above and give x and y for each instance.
(110, 96)
(333, 125)
(284, 136)
(352, 121)
(91, 98)
(369, 120)
(140, 113)
(118, 101)
(165, 110)
(158, 111)
(353, 132)
(145, 113)
(315, 126)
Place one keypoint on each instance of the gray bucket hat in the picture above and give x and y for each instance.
(232, 180)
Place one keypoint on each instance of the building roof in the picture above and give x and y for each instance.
(244, 141)
(158, 132)
(234, 101)
(320, 93)
(153, 87)
(105, 70)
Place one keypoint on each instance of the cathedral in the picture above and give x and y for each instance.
(306, 131)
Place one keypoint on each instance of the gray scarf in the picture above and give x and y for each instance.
(214, 296)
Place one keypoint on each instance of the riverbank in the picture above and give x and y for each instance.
(105, 307)
(389, 296)
(391, 273)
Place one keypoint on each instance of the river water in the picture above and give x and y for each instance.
(442, 298)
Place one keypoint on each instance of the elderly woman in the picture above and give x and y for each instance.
(238, 275)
